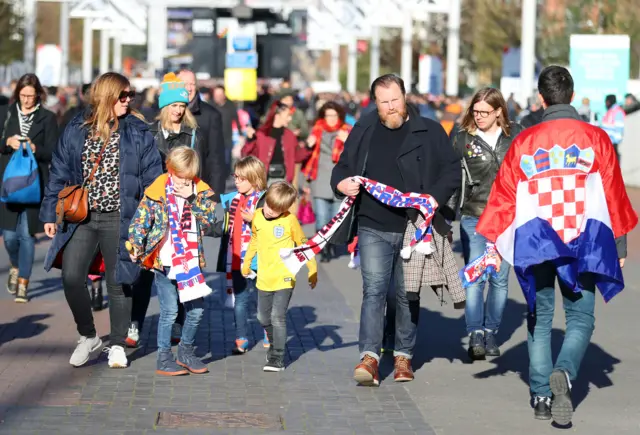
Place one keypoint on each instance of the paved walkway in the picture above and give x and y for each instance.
(41, 393)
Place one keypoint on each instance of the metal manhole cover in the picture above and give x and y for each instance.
(219, 420)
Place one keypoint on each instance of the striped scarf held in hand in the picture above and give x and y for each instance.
(185, 261)
(245, 239)
(482, 268)
(295, 258)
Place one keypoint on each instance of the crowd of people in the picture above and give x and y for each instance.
(132, 181)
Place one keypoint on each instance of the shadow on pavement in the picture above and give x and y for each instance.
(24, 327)
(596, 366)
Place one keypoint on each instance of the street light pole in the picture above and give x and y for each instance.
(64, 43)
(528, 50)
(453, 49)
(30, 11)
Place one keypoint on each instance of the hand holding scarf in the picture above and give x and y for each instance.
(480, 269)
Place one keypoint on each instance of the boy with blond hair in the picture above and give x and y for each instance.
(275, 228)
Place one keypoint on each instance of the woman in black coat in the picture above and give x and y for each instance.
(19, 222)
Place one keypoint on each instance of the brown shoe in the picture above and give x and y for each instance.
(21, 295)
(366, 373)
(403, 370)
(12, 282)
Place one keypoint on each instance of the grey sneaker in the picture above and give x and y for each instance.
(12, 282)
(491, 344)
(166, 365)
(84, 348)
(476, 345)
(188, 359)
(561, 405)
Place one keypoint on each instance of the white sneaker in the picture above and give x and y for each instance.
(117, 357)
(133, 336)
(176, 333)
(85, 346)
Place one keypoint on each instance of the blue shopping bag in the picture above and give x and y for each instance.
(21, 180)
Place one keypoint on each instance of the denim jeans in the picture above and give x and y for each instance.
(578, 308)
(99, 231)
(243, 290)
(272, 315)
(168, 297)
(381, 265)
(479, 315)
(21, 246)
(324, 210)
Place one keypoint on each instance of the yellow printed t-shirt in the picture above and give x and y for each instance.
(267, 238)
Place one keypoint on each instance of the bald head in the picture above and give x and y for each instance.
(189, 79)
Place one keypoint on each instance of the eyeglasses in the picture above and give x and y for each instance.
(238, 178)
(28, 97)
(124, 95)
(482, 113)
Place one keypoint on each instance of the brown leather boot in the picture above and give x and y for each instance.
(403, 370)
(21, 295)
(366, 373)
(12, 282)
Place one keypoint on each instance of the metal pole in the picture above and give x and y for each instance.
(374, 66)
(64, 42)
(528, 50)
(30, 12)
(453, 49)
(335, 63)
(104, 51)
(87, 51)
(352, 71)
(407, 49)
(117, 53)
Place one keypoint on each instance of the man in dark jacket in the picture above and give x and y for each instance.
(71, 113)
(210, 124)
(534, 117)
(424, 163)
(229, 113)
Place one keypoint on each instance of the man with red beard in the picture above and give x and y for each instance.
(397, 147)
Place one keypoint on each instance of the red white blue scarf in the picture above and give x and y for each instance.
(245, 239)
(295, 258)
(482, 267)
(185, 262)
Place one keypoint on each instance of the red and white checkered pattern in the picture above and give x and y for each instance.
(561, 201)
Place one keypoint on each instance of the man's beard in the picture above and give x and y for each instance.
(393, 120)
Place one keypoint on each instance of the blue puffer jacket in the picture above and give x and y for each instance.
(140, 165)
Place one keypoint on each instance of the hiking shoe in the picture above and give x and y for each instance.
(176, 333)
(561, 406)
(491, 344)
(133, 336)
(166, 365)
(274, 364)
(21, 294)
(403, 370)
(85, 346)
(366, 373)
(188, 359)
(542, 408)
(242, 345)
(12, 282)
(265, 341)
(476, 345)
(117, 357)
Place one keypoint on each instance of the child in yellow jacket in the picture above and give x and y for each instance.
(274, 228)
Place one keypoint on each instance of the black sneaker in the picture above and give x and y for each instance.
(542, 408)
(562, 406)
(274, 364)
(476, 346)
(490, 344)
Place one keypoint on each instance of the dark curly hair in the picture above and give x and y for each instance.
(331, 105)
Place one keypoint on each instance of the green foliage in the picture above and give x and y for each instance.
(11, 45)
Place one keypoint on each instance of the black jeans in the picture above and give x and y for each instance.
(272, 315)
(141, 296)
(99, 231)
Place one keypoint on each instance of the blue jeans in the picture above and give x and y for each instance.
(243, 290)
(168, 297)
(324, 210)
(381, 263)
(578, 308)
(479, 315)
(21, 246)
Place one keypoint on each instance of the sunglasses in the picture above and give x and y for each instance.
(124, 95)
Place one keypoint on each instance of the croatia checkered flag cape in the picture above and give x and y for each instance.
(559, 196)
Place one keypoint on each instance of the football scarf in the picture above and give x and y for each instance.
(481, 268)
(296, 257)
(185, 262)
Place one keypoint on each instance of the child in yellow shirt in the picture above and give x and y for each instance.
(274, 228)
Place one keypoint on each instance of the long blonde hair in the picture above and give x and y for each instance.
(103, 96)
(187, 119)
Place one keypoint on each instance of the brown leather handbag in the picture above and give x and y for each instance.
(73, 201)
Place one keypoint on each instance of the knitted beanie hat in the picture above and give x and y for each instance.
(172, 90)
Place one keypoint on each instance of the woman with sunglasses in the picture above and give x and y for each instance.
(29, 124)
(484, 138)
(275, 145)
(113, 142)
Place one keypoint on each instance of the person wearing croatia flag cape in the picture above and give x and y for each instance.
(559, 208)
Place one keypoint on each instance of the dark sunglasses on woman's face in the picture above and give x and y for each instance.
(124, 94)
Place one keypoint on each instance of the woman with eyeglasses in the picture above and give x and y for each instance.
(484, 138)
(27, 124)
(111, 141)
(275, 145)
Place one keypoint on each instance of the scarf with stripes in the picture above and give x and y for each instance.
(26, 121)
